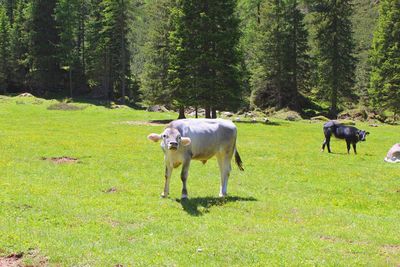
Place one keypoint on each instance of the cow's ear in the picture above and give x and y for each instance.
(185, 141)
(154, 137)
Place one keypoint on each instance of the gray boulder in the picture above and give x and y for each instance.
(393, 156)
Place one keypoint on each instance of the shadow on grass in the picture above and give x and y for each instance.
(351, 154)
(160, 121)
(198, 206)
(269, 123)
(337, 153)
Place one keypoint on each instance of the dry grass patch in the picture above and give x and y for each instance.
(61, 160)
(64, 106)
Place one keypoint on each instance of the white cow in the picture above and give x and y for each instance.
(393, 155)
(199, 139)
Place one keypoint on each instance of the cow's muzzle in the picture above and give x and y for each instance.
(172, 145)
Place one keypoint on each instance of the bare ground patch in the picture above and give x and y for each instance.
(13, 260)
(17, 259)
(61, 160)
(111, 190)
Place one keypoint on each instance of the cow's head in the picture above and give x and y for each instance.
(171, 139)
(362, 135)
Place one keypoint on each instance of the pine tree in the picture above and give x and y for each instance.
(44, 39)
(281, 70)
(181, 72)
(108, 55)
(70, 17)
(154, 78)
(334, 51)
(9, 6)
(298, 58)
(204, 57)
(4, 50)
(226, 72)
(95, 58)
(250, 20)
(20, 62)
(385, 58)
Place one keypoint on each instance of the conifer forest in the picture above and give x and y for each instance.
(314, 57)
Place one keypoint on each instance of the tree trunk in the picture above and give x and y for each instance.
(334, 99)
(123, 59)
(196, 110)
(70, 81)
(214, 113)
(208, 112)
(82, 36)
(181, 113)
(106, 77)
(295, 90)
(335, 70)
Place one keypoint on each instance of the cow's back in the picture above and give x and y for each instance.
(208, 136)
(346, 132)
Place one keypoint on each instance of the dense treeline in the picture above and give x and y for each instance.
(232, 54)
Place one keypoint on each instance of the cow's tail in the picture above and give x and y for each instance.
(238, 160)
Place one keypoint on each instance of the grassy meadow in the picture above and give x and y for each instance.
(292, 206)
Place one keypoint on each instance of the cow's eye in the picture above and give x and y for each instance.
(178, 138)
(164, 136)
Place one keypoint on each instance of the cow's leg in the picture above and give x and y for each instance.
(348, 146)
(354, 148)
(168, 172)
(328, 143)
(327, 133)
(224, 162)
(323, 145)
(184, 176)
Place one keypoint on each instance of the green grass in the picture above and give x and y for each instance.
(292, 206)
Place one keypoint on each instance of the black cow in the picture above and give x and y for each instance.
(351, 134)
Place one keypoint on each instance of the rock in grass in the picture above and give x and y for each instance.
(157, 108)
(347, 122)
(393, 155)
(25, 95)
(319, 118)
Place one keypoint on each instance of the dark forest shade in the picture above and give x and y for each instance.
(4, 50)
(44, 37)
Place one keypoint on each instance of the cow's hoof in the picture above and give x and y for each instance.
(184, 196)
(222, 195)
(164, 195)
